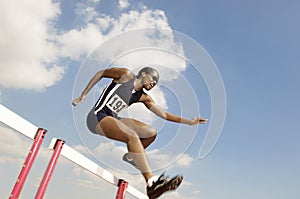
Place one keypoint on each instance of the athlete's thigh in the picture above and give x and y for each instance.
(115, 129)
(142, 129)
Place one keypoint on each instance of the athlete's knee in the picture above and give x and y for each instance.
(132, 138)
(130, 135)
(152, 133)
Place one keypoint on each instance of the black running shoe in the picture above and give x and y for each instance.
(163, 185)
(129, 160)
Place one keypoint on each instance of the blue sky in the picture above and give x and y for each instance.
(254, 45)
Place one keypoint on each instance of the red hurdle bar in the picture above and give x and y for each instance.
(57, 149)
(39, 137)
(122, 189)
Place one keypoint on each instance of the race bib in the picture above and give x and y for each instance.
(116, 104)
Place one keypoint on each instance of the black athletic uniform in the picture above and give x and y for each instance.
(114, 98)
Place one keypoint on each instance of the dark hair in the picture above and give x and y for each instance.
(147, 70)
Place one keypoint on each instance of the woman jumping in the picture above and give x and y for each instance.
(124, 90)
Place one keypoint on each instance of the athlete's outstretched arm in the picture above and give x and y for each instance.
(151, 105)
(118, 74)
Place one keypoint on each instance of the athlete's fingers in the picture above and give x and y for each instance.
(74, 103)
(203, 120)
(78, 100)
(195, 121)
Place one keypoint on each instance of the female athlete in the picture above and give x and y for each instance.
(125, 89)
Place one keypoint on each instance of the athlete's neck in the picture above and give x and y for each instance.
(138, 84)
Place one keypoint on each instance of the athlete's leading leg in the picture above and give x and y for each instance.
(117, 130)
(159, 184)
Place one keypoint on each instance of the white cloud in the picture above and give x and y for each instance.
(110, 154)
(84, 178)
(88, 13)
(187, 190)
(77, 43)
(173, 195)
(109, 151)
(161, 160)
(81, 149)
(14, 147)
(31, 47)
(123, 4)
(184, 160)
(94, 1)
(92, 34)
(28, 53)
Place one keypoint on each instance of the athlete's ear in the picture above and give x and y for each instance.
(144, 74)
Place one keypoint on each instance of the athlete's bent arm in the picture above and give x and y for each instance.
(152, 106)
(118, 74)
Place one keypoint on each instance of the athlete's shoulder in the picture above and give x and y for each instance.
(127, 75)
(120, 75)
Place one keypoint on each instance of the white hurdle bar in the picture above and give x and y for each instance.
(18, 123)
(31, 131)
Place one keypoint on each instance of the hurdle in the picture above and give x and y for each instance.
(59, 148)
(89, 165)
(29, 130)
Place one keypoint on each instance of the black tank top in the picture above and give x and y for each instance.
(117, 96)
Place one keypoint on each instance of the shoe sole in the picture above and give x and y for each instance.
(173, 184)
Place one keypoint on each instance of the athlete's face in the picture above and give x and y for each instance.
(150, 80)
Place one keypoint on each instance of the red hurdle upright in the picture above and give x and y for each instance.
(122, 189)
(44, 183)
(40, 135)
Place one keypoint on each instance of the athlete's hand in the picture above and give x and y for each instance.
(78, 100)
(198, 120)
